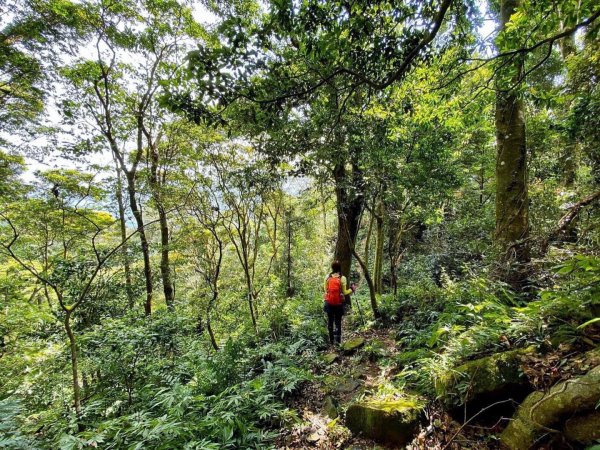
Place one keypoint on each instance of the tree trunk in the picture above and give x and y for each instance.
(124, 246)
(252, 311)
(379, 248)
(349, 207)
(74, 369)
(137, 214)
(290, 289)
(394, 244)
(567, 220)
(368, 240)
(512, 203)
(568, 160)
(165, 267)
(251, 299)
(211, 334)
(367, 275)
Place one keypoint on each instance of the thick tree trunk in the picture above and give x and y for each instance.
(512, 202)
(137, 214)
(568, 160)
(124, 246)
(349, 206)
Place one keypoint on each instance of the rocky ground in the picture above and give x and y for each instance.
(342, 406)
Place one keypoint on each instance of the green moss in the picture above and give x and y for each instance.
(329, 358)
(389, 421)
(541, 411)
(484, 376)
(330, 407)
(352, 344)
(583, 429)
(393, 405)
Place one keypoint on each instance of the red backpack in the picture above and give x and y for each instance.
(334, 294)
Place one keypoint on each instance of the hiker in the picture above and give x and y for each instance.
(336, 291)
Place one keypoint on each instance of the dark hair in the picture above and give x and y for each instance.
(336, 267)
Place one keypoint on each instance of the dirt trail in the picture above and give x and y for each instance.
(336, 384)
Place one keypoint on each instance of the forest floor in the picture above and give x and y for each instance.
(350, 376)
(345, 377)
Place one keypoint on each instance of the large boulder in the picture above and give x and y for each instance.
(485, 381)
(543, 413)
(386, 421)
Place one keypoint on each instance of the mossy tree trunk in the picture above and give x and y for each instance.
(512, 202)
(350, 203)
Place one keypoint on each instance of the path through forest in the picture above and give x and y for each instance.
(355, 370)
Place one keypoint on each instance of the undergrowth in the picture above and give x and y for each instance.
(439, 327)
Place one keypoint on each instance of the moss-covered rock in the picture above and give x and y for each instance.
(347, 386)
(392, 421)
(330, 407)
(486, 380)
(351, 345)
(592, 357)
(543, 411)
(583, 429)
(329, 358)
(334, 384)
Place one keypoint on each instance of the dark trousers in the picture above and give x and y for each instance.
(334, 322)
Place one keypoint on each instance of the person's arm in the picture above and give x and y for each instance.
(345, 289)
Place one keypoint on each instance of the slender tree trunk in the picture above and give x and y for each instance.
(368, 240)
(165, 266)
(124, 246)
(394, 243)
(349, 210)
(252, 311)
(370, 284)
(290, 290)
(137, 214)
(379, 248)
(251, 299)
(211, 334)
(74, 369)
(512, 202)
